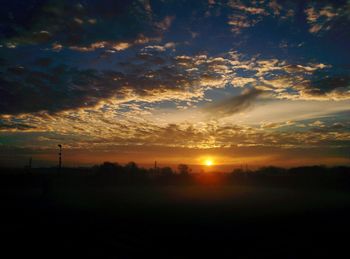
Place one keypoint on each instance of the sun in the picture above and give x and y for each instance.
(208, 162)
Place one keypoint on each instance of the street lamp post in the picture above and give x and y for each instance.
(60, 157)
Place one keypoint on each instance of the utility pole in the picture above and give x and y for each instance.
(60, 158)
(29, 166)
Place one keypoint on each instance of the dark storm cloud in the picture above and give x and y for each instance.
(235, 104)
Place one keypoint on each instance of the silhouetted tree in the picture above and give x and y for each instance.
(271, 170)
(238, 171)
(108, 167)
(183, 169)
(131, 167)
(166, 171)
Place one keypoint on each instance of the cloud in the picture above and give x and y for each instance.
(84, 26)
(53, 87)
(165, 23)
(239, 22)
(26, 90)
(160, 48)
(242, 81)
(309, 81)
(9, 126)
(235, 104)
(321, 17)
(275, 125)
(107, 130)
(248, 9)
(110, 45)
(276, 7)
(155, 76)
(246, 14)
(331, 87)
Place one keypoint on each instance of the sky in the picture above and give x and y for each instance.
(262, 82)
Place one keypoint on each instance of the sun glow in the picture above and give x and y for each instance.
(208, 162)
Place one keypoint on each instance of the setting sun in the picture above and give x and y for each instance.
(208, 162)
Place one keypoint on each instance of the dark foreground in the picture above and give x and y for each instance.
(212, 219)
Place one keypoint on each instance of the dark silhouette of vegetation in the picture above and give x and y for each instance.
(125, 211)
(183, 169)
(109, 174)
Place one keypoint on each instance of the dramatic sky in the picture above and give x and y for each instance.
(241, 82)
